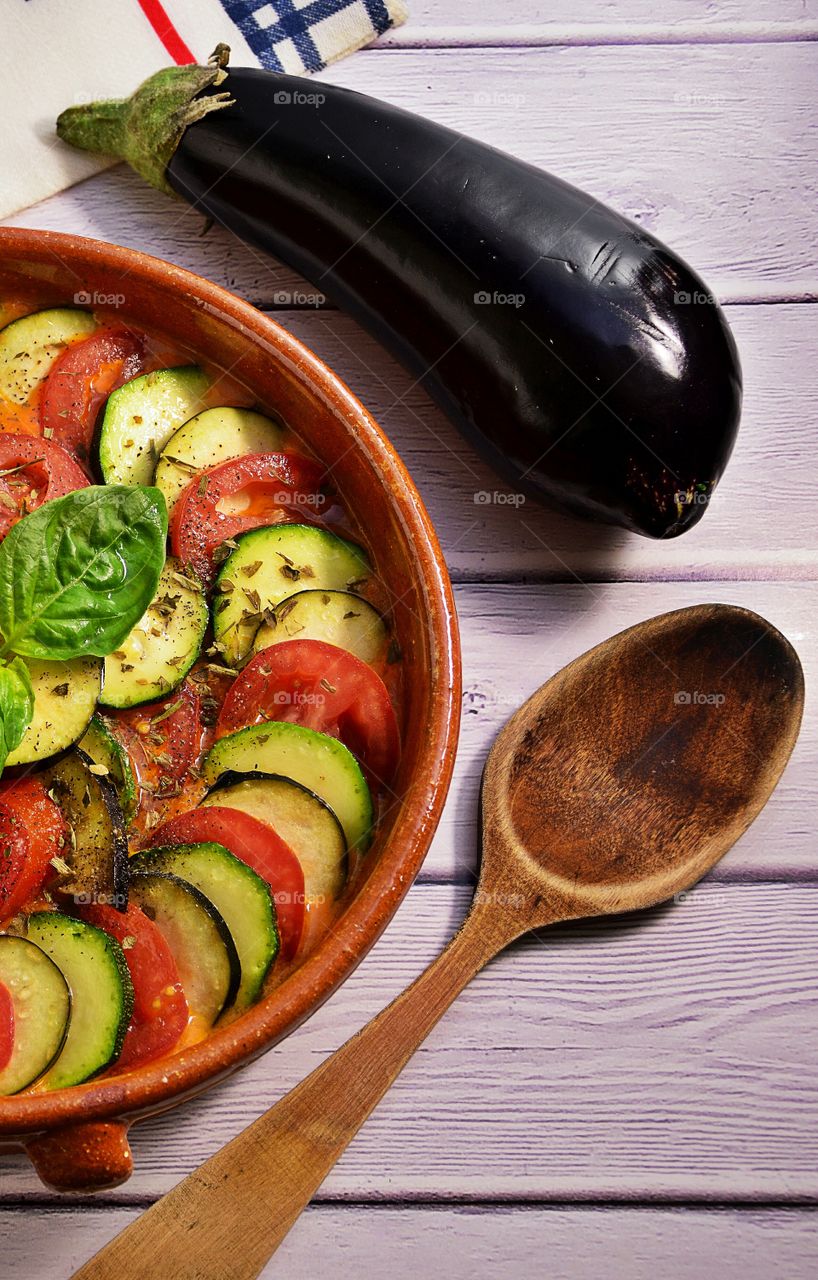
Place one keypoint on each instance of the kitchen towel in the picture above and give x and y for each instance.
(60, 52)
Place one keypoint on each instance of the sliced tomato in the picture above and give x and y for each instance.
(6, 1026)
(80, 382)
(32, 471)
(32, 831)
(321, 687)
(241, 494)
(163, 739)
(160, 1010)
(14, 857)
(256, 844)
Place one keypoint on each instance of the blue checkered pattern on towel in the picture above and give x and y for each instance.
(299, 36)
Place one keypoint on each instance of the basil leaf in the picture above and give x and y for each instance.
(16, 706)
(78, 573)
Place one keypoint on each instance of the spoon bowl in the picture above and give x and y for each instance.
(626, 776)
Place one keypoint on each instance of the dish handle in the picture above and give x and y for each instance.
(83, 1157)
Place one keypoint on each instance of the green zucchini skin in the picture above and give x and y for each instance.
(141, 416)
(238, 893)
(213, 436)
(157, 655)
(42, 1008)
(65, 696)
(319, 763)
(336, 617)
(30, 345)
(94, 966)
(202, 945)
(103, 748)
(303, 820)
(289, 555)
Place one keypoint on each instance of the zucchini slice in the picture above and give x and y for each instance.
(163, 645)
(271, 564)
(42, 1007)
(241, 897)
(65, 695)
(318, 762)
(105, 751)
(303, 820)
(96, 856)
(201, 943)
(29, 346)
(141, 417)
(337, 617)
(93, 965)
(214, 436)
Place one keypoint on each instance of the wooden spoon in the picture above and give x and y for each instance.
(619, 783)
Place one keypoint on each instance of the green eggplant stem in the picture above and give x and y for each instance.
(146, 128)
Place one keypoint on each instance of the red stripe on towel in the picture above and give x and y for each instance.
(167, 33)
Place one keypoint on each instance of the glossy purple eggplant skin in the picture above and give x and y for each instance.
(585, 361)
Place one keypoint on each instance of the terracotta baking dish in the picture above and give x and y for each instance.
(77, 1138)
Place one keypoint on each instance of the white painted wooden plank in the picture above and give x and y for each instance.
(538, 34)
(669, 1056)
(346, 1241)
(569, 1244)
(761, 521)
(629, 17)
(668, 135)
(514, 639)
(710, 148)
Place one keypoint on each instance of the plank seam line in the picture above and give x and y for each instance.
(644, 1203)
(790, 573)
(644, 36)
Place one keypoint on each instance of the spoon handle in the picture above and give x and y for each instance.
(228, 1217)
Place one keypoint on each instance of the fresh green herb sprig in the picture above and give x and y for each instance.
(16, 706)
(76, 575)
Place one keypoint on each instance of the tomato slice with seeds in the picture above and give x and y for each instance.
(6, 1026)
(32, 831)
(321, 687)
(164, 739)
(255, 843)
(14, 857)
(240, 494)
(32, 471)
(160, 1011)
(82, 379)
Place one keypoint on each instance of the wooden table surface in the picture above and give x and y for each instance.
(635, 1098)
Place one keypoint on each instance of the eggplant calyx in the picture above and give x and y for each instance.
(146, 128)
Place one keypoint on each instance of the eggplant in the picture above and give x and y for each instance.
(587, 363)
(95, 856)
